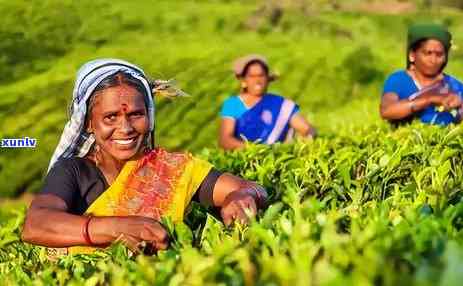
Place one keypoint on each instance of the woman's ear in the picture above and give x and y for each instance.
(411, 57)
(89, 126)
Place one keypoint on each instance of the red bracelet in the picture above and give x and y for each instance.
(85, 233)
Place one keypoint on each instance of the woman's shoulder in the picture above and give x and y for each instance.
(232, 100)
(73, 166)
(67, 163)
(451, 78)
(455, 84)
(398, 75)
(63, 178)
(399, 82)
(233, 107)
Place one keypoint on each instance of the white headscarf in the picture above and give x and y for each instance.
(75, 141)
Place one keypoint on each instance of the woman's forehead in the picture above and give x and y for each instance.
(432, 44)
(255, 68)
(120, 96)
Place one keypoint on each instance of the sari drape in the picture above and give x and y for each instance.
(267, 121)
(435, 114)
(160, 184)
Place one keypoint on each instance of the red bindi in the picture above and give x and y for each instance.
(124, 107)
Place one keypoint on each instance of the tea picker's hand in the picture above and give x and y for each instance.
(239, 206)
(452, 101)
(142, 233)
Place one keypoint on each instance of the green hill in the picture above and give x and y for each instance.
(332, 63)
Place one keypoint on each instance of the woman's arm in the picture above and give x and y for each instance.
(237, 198)
(227, 139)
(302, 126)
(392, 108)
(48, 224)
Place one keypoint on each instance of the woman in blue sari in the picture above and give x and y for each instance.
(255, 115)
(423, 91)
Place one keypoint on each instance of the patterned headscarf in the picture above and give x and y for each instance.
(75, 140)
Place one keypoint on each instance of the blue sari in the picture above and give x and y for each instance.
(432, 114)
(267, 122)
(402, 84)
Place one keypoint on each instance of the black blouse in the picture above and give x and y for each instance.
(79, 182)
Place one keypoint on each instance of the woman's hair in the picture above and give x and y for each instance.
(246, 68)
(413, 48)
(418, 44)
(117, 79)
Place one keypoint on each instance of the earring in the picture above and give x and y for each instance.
(97, 155)
(146, 147)
(243, 85)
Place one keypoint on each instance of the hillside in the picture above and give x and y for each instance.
(331, 63)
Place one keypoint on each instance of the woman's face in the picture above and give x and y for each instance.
(119, 121)
(429, 57)
(256, 79)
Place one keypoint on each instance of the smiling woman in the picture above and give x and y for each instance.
(255, 115)
(107, 182)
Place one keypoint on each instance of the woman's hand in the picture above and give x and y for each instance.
(238, 199)
(239, 206)
(434, 99)
(302, 126)
(140, 233)
(67, 229)
(451, 101)
(446, 101)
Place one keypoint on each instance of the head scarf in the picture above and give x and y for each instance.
(240, 65)
(418, 32)
(75, 141)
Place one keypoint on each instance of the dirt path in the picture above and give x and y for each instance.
(388, 7)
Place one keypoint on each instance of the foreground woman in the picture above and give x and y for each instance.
(107, 182)
(255, 115)
(423, 90)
